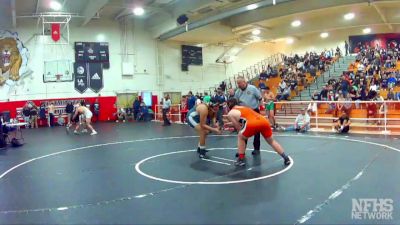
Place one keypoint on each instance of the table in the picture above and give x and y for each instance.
(18, 130)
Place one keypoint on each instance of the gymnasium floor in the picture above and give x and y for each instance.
(148, 174)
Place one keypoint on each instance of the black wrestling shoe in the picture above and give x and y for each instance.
(255, 152)
(287, 161)
(202, 153)
(198, 150)
(240, 162)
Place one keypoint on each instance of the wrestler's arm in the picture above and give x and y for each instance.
(203, 112)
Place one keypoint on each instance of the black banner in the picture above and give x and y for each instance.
(81, 77)
(95, 77)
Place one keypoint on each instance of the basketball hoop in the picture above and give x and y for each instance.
(58, 77)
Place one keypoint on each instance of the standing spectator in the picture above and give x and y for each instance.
(50, 110)
(269, 99)
(166, 107)
(26, 112)
(34, 116)
(42, 114)
(69, 109)
(191, 100)
(223, 86)
(96, 109)
(220, 100)
(231, 93)
(248, 95)
(346, 47)
(207, 98)
(136, 107)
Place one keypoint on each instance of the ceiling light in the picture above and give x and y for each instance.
(324, 35)
(138, 11)
(296, 23)
(349, 16)
(101, 37)
(252, 6)
(367, 30)
(289, 41)
(55, 5)
(256, 32)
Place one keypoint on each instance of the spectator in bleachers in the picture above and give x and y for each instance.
(324, 93)
(231, 93)
(391, 96)
(346, 47)
(284, 95)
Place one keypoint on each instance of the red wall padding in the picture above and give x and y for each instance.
(107, 106)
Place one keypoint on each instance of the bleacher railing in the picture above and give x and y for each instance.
(368, 117)
(379, 117)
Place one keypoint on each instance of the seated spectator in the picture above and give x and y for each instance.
(315, 96)
(121, 115)
(284, 95)
(324, 93)
(342, 124)
(391, 96)
(391, 81)
(144, 113)
(301, 124)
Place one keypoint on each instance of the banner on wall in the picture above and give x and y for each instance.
(391, 40)
(95, 76)
(81, 77)
(55, 32)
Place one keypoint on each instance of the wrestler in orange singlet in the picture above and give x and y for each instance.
(248, 122)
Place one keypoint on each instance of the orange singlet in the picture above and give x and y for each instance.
(253, 123)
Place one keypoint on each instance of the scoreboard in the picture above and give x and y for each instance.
(92, 52)
(192, 55)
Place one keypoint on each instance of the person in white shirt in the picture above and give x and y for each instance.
(301, 124)
(166, 105)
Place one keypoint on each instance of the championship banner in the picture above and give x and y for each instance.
(55, 32)
(96, 77)
(81, 77)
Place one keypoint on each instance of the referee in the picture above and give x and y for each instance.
(248, 95)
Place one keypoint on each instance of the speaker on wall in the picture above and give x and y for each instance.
(182, 19)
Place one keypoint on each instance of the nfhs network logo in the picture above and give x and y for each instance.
(372, 209)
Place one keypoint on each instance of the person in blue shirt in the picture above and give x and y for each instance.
(220, 101)
(191, 100)
(136, 107)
